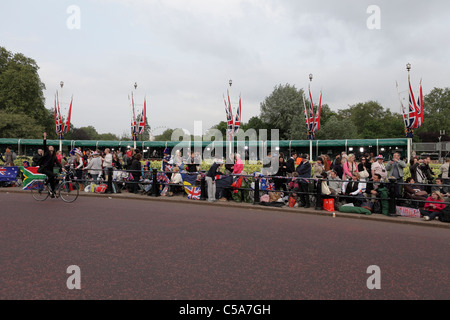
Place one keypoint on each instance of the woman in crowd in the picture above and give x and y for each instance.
(349, 167)
(378, 167)
(414, 193)
(8, 158)
(432, 209)
(318, 167)
(354, 190)
(338, 167)
(280, 183)
(362, 168)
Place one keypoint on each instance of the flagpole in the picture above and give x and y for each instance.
(134, 118)
(60, 135)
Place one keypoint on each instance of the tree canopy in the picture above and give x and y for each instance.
(21, 94)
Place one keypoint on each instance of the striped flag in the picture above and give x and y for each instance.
(67, 124)
(237, 122)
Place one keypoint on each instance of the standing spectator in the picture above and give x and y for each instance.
(79, 165)
(349, 167)
(136, 172)
(8, 158)
(395, 169)
(95, 167)
(337, 166)
(431, 209)
(280, 183)
(304, 174)
(290, 164)
(239, 165)
(36, 157)
(211, 178)
(378, 167)
(362, 167)
(107, 165)
(413, 164)
(444, 171)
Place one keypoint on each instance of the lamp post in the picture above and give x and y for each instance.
(61, 84)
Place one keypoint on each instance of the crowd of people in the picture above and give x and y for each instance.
(345, 179)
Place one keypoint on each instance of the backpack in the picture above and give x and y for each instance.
(444, 216)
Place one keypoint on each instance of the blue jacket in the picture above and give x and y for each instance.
(304, 171)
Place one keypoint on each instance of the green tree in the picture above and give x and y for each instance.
(436, 112)
(21, 89)
(19, 125)
(283, 110)
(335, 129)
(373, 121)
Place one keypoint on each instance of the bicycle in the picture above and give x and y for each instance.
(67, 189)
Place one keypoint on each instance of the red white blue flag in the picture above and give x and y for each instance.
(193, 192)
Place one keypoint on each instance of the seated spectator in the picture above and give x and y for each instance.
(334, 183)
(318, 168)
(442, 188)
(411, 191)
(355, 189)
(174, 180)
(431, 209)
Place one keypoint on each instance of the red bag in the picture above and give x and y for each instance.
(101, 188)
(328, 204)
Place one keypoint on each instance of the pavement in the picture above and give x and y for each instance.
(250, 206)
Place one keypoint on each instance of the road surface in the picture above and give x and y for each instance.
(135, 249)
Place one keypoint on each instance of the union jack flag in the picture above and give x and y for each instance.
(266, 185)
(142, 120)
(193, 192)
(163, 178)
(417, 107)
(229, 112)
(237, 122)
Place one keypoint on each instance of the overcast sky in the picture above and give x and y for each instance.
(182, 53)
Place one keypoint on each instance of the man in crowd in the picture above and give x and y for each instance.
(304, 173)
(395, 169)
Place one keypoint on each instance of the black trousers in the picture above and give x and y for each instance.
(110, 178)
(304, 196)
(51, 178)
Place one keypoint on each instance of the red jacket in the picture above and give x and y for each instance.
(439, 206)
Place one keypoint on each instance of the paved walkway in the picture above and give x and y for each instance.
(233, 204)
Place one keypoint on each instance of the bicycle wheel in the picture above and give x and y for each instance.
(39, 190)
(68, 191)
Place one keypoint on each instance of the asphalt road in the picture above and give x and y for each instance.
(134, 249)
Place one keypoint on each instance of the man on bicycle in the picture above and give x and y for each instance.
(47, 163)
